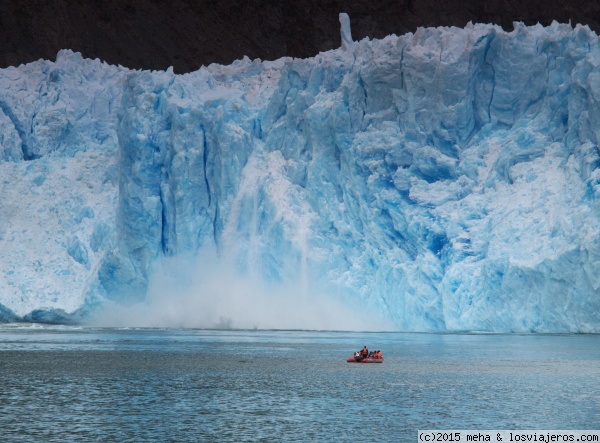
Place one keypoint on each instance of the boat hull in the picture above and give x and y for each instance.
(365, 360)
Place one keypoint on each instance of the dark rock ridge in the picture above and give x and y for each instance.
(185, 34)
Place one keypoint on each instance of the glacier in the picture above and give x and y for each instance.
(446, 180)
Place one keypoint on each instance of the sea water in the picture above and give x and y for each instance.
(62, 384)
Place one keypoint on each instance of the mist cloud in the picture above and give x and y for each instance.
(207, 292)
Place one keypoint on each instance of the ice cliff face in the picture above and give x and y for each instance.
(446, 180)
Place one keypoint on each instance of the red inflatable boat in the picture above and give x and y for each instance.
(364, 360)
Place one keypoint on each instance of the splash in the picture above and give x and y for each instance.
(211, 292)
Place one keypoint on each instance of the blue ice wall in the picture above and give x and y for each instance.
(445, 180)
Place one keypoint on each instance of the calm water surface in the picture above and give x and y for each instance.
(63, 384)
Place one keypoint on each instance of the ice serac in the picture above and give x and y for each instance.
(447, 180)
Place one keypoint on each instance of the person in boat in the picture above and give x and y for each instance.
(365, 352)
(379, 354)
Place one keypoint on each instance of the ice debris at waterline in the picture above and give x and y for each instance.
(445, 180)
